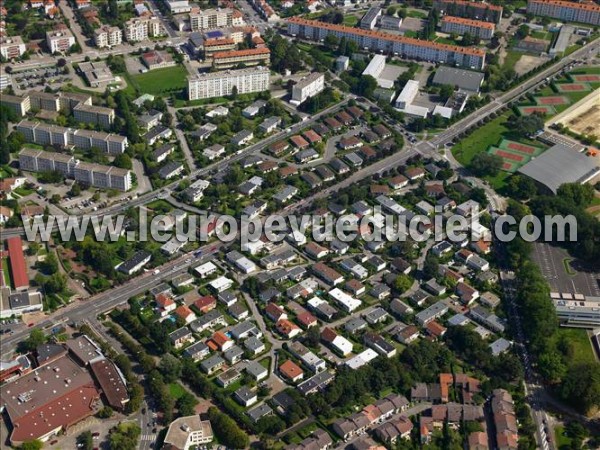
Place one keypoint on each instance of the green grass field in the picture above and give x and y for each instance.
(480, 139)
(161, 81)
(176, 390)
(542, 35)
(416, 14)
(350, 21)
(511, 59)
(583, 351)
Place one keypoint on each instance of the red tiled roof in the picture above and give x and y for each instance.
(245, 52)
(475, 4)
(17, 262)
(387, 36)
(587, 6)
(163, 300)
(469, 22)
(62, 412)
(184, 311)
(203, 303)
(220, 339)
(290, 369)
(299, 141)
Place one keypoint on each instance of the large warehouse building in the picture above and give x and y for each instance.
(559, 165)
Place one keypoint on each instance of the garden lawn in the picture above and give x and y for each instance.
(480, 139)
(511, 58)
(160, 81)
(581, 343)
(350, 20)
(176, 390)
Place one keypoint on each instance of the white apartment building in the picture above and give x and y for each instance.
(567, 11)
(379, 41)
(308, 86)
(187, 432)
(211, 18)
(459, 25)
(60, 40)
(20, 105)
(96, 175)
(12, 47)
(107, 36)
(97, 115)
(140, 29)
(219, 84)
(43, 134)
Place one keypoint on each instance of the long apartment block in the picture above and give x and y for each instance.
(460, 25)
(248, 57)
(96, 175)
(410, 48)
(470, 10)
(97, 115)
(57, 102)
(219, 84)
(44, 134)
(567, 11)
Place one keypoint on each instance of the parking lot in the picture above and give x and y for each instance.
(552, 262)
(29, 79)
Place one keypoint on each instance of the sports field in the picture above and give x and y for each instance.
(582, 77)
(514, 154)
(573, 87)
(552, 100)
(542, 109)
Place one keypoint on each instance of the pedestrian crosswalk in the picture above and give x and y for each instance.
(148, 437)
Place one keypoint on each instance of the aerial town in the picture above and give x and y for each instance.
(140, 310)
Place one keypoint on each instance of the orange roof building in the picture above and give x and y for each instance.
(470, 57)
(291, 371)
(185, 313)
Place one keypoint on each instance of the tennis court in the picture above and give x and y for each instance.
(590, 78)
(511, 160)
(573, 87)
(552, 100)
(542, 109)
(527, 150)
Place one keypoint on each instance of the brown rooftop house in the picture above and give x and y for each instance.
(344, 117)
(327, 274)
(111, 383)
(288, 171)
(414, 173)
(157, 60)
(291, 371)
(350, 142)
(312, 136)
(382, 131)
(367, 152)
(278, 148)
(355, 112)
(333, 124)
(299, 142)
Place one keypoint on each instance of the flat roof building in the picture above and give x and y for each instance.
(466, 80)
(220, 84)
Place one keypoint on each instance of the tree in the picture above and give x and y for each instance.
(431, 266)
(105, 412)
(32, 445)
(170, 367)
(227, 431)
(124, 436)
(123, 160)
(446, 92)
(527, 125)
(522, 32)
(85, 440)
(62, 62)
(578, 194)
(331, 41)
(402, 283)
(186, 404)
(551, 367)
(50, 264)
(35, 339)
(366, 86)
(581, 386)
(485, 164)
